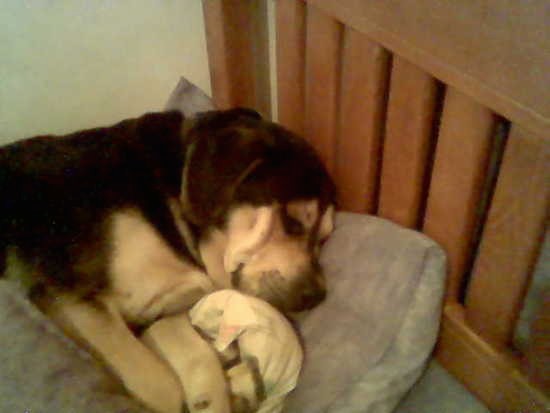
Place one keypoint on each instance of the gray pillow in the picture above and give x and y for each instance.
(368, 343)
(41, 370)
(189, 99)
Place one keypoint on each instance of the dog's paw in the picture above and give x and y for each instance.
(241, 405)
(246, 386)
(230, 356)
(208, 401)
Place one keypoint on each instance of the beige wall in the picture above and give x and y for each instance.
(71, 64)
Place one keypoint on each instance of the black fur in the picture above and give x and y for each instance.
(226, 144)
(57, 193)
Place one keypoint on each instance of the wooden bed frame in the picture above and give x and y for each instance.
(435, 115)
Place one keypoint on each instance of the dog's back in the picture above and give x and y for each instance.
(58, 192)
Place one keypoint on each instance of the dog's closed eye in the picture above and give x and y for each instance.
(293, 226)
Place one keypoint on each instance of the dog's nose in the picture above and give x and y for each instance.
(312, 297)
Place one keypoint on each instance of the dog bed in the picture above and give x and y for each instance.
(369, 342)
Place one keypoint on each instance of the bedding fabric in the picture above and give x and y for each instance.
(369, 342)
(42, 371)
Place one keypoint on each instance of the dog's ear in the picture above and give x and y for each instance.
(223, 149)
(248, 232)
(157, 140)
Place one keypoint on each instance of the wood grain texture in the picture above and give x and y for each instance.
(291, 61)
(229, 29)
(537, 357)
(261, 56)
(511, 237)
(458, 175)
(409, 123)
(492, 56)
(495, 50)
(322, 82)
(494, 376)
(365, 69)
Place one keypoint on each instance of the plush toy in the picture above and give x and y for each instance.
(258, 353)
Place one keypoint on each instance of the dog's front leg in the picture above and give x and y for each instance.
(104, 332)
(194, 361)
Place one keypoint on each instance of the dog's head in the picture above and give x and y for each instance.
(261, 203)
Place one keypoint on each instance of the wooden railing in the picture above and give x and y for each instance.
(410, 104)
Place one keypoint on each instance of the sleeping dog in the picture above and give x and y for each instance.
(119, 226)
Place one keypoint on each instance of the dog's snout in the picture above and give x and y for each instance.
(313, 292)
(313, 297)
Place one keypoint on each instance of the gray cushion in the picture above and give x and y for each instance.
(365, 346)
(438, 392)
(43, 371)
(369, 342)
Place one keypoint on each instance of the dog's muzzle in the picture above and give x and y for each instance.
(310, 293)
(300, 293)
(312, 298)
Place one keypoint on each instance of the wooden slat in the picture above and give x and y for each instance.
(493, 376)
(409, 124)
(365, 67)
(291, 42)
(511, 237)
(322, 78)
(228, 25)
(261, 55)
(538, 352)
(495, 50)
(458, 175)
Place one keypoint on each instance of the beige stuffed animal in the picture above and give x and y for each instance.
(231, 353)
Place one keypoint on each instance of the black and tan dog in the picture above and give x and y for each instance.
(125, 224)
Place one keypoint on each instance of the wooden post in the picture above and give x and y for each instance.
(236, 41)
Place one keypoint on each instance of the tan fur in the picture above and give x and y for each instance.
(212, 251)
(104, 332)
(248, 230)
(283, 257)
(327, 223)
(194, 361)
(306, 212)
(147, 278)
